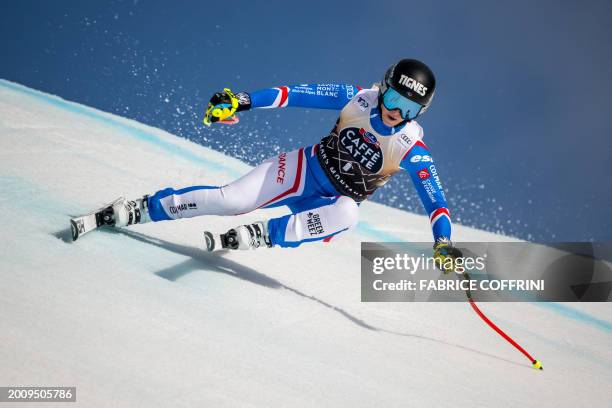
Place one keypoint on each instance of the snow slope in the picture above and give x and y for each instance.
(143, 318)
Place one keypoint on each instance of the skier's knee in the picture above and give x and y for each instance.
(349, 210)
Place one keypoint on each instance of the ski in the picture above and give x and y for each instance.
(83, 224)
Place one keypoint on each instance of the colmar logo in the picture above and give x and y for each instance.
(436, 178)
(183, 207)
(423, 174)
(413, 84)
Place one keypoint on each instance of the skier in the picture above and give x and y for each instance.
(375, 136)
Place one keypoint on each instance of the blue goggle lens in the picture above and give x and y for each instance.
(408, 109)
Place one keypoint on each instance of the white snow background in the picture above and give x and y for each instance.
(145, 318)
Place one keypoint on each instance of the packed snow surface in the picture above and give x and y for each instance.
(145, 318)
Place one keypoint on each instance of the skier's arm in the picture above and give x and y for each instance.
(318, 96)
(420, 165)
(223, 105)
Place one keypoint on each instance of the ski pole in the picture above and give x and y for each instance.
(537, 364)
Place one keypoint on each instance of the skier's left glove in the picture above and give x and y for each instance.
(223, 106)
(446, 255)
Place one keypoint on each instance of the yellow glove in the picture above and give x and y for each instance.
(223, 106)
(445, 255)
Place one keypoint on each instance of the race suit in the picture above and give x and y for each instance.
(322, 184)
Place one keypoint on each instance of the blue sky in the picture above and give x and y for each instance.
(520, 125)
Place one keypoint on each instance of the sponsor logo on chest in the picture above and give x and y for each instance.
(362, 146)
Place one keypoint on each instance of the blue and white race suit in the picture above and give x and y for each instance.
(321, 184)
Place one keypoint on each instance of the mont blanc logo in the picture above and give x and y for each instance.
(413, 84)
(363, 147)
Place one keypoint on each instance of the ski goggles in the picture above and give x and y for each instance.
(408, 109)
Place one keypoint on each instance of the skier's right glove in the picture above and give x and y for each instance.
(223, 106)
(445, 255)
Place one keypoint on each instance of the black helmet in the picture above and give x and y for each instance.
(411, 79)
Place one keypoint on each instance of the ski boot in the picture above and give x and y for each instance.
(125, 212)
(119, 213)
(249, 236)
